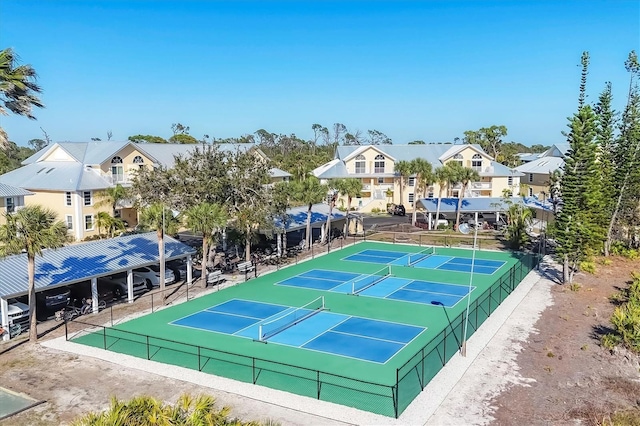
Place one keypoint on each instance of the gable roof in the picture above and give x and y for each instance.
(333, 169)
(81, 262)
(457, 148)
(362, 148)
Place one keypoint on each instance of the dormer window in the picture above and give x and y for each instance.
(378, 164)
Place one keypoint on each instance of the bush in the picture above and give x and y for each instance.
(588, 266)
(626, 319)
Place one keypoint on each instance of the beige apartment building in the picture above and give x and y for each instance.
(374, 166)
(538, 167)
(67, 177)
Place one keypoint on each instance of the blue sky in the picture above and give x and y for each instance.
(424, 70)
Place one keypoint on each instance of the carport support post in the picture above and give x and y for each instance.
(4, 320)
(94, 295)
(189, 271)
(430, 222)
(130, 285)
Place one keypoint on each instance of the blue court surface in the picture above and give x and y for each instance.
(344, 335)
(381, 286)
(429, 261)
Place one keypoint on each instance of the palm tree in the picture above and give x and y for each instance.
(464, 176)
(112, 196)
(207, 219)
(309, 192)
(32, 229)
(18, 90)
(103, 220)
(403, 170)
(441, 176)
(520, 218)
(349, 187)
(187, 411)
(424, 177)
(157, 216)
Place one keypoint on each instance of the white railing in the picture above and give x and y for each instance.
(474, 185)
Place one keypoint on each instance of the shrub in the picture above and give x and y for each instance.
(588, 266)
(610, 341)
(575, 287)
(626, 319)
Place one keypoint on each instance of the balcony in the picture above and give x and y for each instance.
(120, 178)
(475, 185)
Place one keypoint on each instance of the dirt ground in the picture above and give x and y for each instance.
(574, 378)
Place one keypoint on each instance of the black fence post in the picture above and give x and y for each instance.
(104, 337)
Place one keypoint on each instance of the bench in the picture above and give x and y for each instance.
(214, 277)
(244, 267)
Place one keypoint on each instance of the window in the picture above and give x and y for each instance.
(411, 198)
(360, 164)
(87, 198)
(530, 192)
(378, 164)
(530, 177)
(11, 205)
(88, 222)
(117, 174)
(510, 181)
(476, 162)
(116, 160)
(412, 181)
(67, 199)
(458, 158)
(69, 220)
(138, 160)
(430, 194)
(380, 181)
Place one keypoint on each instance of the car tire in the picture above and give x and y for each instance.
(149, 284)
(117, 292)
(268, 251)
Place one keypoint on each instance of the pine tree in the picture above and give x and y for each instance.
(626, 154)
(579, 224)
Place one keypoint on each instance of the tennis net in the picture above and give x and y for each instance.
(360, 284)
(417, 257)
(289, 319)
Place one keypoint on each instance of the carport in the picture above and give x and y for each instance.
(86, 261)
(297, 220)
(487, 206)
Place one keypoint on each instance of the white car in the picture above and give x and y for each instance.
(151, 275)
(17, 311)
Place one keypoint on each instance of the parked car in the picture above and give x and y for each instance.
(17, 311)
(396, 209)
(151, 275)
(49, 301)
(118, 284)
(82, 291)
(179, 269)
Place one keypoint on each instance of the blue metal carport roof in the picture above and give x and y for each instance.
(478, 204)
(81, 262)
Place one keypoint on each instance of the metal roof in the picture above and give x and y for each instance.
(12, 191)
(275, 172)
(544, 165)
(81, 262)
(298, 216)
(478, 204)
(56, 176)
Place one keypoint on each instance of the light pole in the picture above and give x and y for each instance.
(465, 228)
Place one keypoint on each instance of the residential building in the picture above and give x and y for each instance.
(11, 199)
(535, 179)
(68, 176)
(374, 166)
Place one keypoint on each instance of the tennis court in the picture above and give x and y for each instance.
(309, 327)
(327, 328)
(381, 284)
(427, 259)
